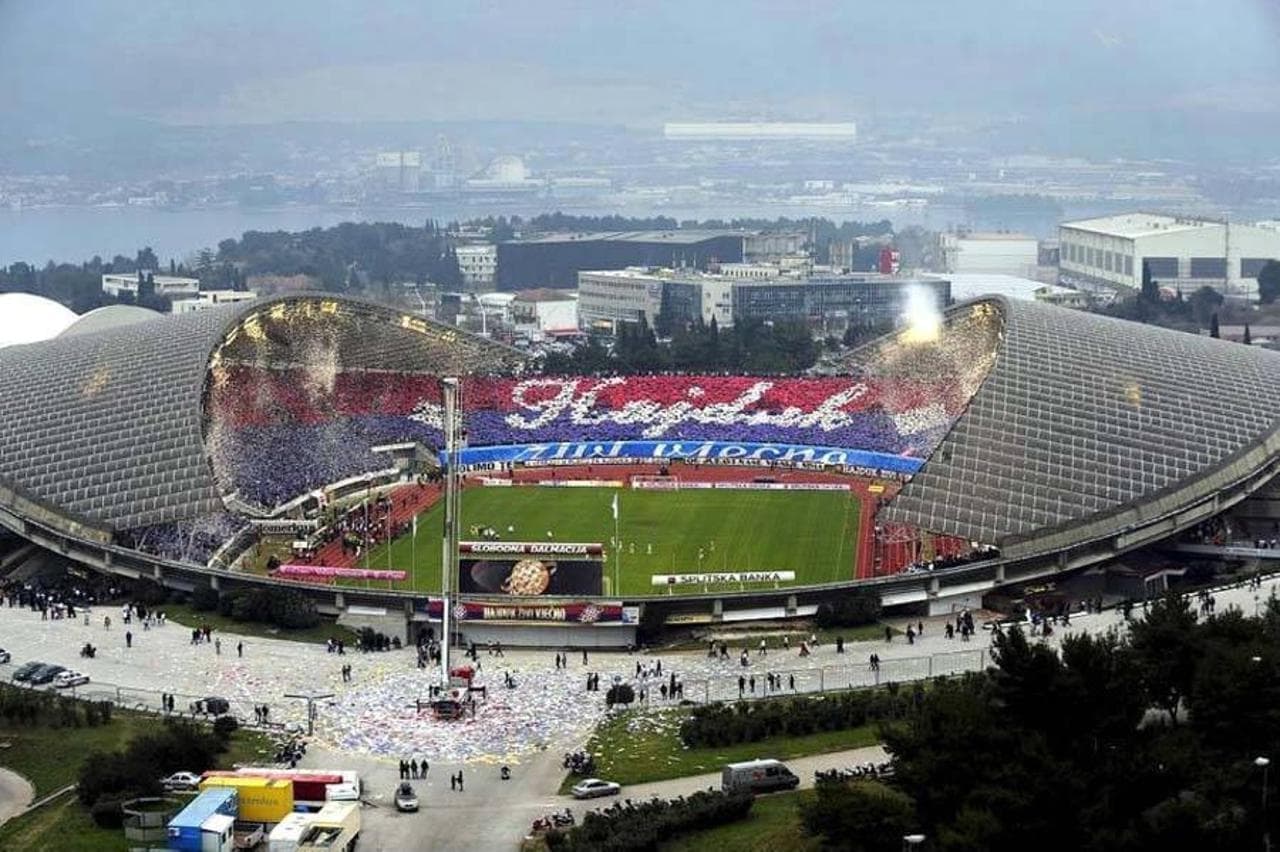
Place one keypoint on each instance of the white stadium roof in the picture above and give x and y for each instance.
(27, 318)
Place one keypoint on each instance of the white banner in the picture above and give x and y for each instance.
(580, 483)
(723, 578)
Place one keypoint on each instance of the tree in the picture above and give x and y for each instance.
(1166, 649)
(1204, 303)
(1269, 282)
(1150, 292)
(1248, 338)
(1213, 326)
(864, 816)
(147, 259)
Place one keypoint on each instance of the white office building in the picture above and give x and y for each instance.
(991, 254)
(478, 264)
(172, 286)
(211, 299)
(1182, 253)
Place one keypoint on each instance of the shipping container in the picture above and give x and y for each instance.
(307, 786)
(185, 828)
(265, 800)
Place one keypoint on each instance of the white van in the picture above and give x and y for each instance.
(758, 776)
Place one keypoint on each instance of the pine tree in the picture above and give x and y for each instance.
(1248, 338)
(1213, 326)
(1150, 289)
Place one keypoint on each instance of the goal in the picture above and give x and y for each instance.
(656, 483)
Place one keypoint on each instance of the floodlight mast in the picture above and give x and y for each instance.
(451, 392)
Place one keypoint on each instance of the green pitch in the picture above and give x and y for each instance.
(813, 533)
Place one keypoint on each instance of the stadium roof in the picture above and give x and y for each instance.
(1079, 419)
(109, 316)
(1083, 415)
(107, 427)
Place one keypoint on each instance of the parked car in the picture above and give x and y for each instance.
(406, 798)
(46, 674)
(590, 788)
(181, 781)
(70, 678)
(213, 705)
(4, 656)
(26, 670)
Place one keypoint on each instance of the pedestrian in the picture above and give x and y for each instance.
(584, 659)
(763, 648)
(128, 638)
(217, 646)
(742, 685)
(888, 633)
(413, 768)
(422, 767)
(793, 683)
(751, 682)
(404, 770)
(239, 649)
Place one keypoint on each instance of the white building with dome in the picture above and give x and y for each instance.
(28, 318)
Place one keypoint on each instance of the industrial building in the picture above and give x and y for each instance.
(607, 298)
(399, 171)
(1181, 252)
(555, 260)
(991, 253)
(546, 311)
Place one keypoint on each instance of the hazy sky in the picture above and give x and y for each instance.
(638, 63)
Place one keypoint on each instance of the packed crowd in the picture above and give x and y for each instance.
(185, 541)
(273, 435)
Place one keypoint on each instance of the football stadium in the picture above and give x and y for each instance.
(300, 440)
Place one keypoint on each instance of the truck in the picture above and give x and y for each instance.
(288, 832)
(265, 800)
(309, 788)
(333, 829)
(758, 776)
(188, 828)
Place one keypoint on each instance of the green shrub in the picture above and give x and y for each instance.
(620, 693)
(205, 599)
(106, 813)
(721, 724)
(225, 726)
(852, 610)
(649, 824)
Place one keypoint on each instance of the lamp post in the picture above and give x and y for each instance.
(911, 841)
(1264, 763)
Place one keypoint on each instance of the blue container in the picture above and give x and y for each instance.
(184, 828)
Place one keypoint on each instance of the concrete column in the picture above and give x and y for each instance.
(339, 600)
(1000, 573)
(934, 586)
(215, 583)
(717, 610)
(792, 606)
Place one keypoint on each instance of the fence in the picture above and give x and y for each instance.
(828, 678)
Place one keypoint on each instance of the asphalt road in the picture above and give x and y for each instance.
(802, 766)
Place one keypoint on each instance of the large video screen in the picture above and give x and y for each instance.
(530, 576)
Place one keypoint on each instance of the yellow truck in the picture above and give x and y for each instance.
(265, 800)
(334, 828)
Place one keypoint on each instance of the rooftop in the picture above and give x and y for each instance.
(679, 237)
(545, 294)
(1133, 225)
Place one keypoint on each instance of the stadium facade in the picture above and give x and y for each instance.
(1056, 438)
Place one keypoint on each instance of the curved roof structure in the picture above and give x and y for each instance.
(27, 318)
(107, 427)
(109, 316)
(1083, 415)
(1062, 425)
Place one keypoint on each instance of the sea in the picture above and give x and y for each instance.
(75, 234)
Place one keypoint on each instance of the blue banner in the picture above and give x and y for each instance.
(698, 451)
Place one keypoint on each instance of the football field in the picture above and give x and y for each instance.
(813, 533)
